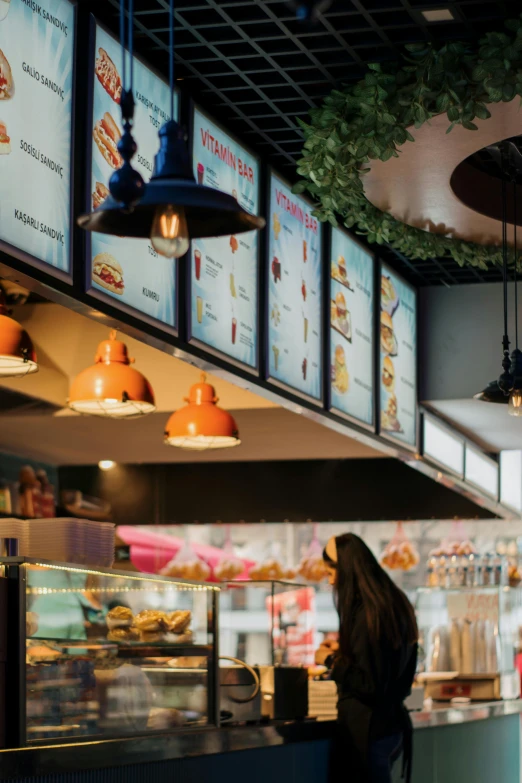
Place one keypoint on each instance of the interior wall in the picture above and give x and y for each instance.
(338, 490)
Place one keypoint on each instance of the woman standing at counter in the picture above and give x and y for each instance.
(373, 665)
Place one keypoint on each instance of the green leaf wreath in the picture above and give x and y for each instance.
(370, 120)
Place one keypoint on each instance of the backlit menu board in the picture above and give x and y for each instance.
(128, 271)
(351, 328)
(294, 292)
(224, 270)
(398, 365)
(36, 85)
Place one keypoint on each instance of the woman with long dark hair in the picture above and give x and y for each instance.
(373, 664)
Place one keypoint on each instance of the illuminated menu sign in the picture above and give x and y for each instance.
(224, 270)
(294, 292)
(398, 352)
(128, 271)
(351, 328)
(36, 84)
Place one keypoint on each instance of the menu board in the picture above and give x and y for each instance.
(294, 292)
(127, 270)
(398, 366)
(36, 84)
(224, 270)
(351, 328)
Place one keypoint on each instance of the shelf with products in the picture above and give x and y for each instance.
(107, 653)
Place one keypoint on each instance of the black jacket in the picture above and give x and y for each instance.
(372, 688)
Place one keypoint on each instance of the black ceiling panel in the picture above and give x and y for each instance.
(256, 68)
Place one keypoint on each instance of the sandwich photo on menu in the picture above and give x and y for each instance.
(388, 374)
(340, 379)
(389, 421)
(107, 273)
(338, 272)
(389, 298)
(106, 134)
(388, 340)
(6, 79)
(5, 141)
(108, 75)
(99, 195)
(340, 317)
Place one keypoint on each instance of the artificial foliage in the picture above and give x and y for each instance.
(370, 121)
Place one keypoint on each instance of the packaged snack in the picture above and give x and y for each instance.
(400, 553)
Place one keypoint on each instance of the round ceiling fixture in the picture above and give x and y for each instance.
(202, 424)
(17, 354)
(111, 387)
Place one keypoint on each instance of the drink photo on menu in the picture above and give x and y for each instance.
(295, 285)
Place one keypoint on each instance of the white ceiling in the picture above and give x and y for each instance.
(487, 423)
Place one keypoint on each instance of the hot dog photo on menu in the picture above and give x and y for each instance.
(6, 78)
(106, 134)
(108, 75)
(107, 273)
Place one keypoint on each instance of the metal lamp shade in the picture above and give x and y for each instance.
(209, 212)
(492, 393)
(17, 354)
(111, 387)
(202, 424)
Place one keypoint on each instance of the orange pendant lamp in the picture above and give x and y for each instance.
(17, 355)
(111, 387)
(202, 424)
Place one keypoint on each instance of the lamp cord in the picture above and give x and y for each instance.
(516, 259)
(122, 42)
(171, 61)
(127, 43)
(504, 251)
(131, 44)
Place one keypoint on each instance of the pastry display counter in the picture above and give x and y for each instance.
(102, 654)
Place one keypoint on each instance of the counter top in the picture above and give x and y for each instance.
(99, 754)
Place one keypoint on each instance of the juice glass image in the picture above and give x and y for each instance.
(304, 367)
(199, 308)
(201, 173)
(234, 328)
(306, 330)
(197, 263)
(305, 254)
(233, 286)
(276, 356)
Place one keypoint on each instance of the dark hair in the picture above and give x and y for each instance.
(361, 581)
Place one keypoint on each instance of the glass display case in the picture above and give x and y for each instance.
(103, 653)
(267, 623)
(470, 639)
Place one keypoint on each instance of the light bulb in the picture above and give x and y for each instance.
(169, 235)
(515, 403)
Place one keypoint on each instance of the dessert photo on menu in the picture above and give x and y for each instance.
(351, 328)
(224, 270)
(294, 293)
(36, 84)
(128, 270)
(398, 352)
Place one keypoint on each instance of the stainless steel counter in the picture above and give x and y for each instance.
(450, 715)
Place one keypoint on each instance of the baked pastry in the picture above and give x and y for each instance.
(122, 634)
(164, 718)
(388, 339)
(152, 637)
(151, 621)
(179, 621)
(119, 617)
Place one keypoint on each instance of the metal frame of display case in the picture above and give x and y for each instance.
(15, 679)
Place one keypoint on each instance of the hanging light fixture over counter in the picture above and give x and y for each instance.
(17, 354)
(202, 424)
(111, 387)
(172, 207)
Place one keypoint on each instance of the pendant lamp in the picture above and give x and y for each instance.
(17, 354)
(172, 208)
(202, 424)
(111, 387)
(507, 390)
